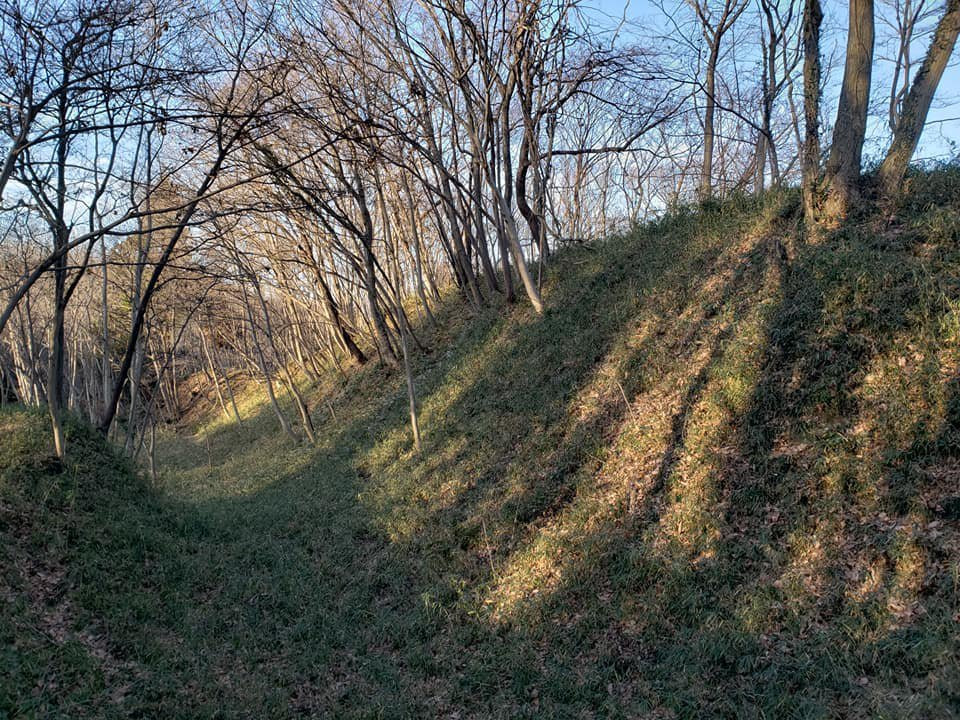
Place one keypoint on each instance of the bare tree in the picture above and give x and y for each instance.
(716, 20)
(907, 20)
(916, 104)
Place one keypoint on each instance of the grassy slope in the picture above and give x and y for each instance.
(720, 477)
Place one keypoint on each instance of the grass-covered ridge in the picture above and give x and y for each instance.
(720, 477)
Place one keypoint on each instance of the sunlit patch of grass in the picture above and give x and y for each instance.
(642, 436)
(720, 385)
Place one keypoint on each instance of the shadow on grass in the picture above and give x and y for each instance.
(818, 577)
(702, 485)
(516, 423)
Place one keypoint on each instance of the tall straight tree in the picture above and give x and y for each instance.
(715, 23)
(812, 18)
(844, 165)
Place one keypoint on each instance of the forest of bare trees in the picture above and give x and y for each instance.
(228, 192)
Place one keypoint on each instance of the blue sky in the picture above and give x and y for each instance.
(943, 126)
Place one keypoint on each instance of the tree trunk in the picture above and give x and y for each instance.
(913, 114)
(370, 278)
(106, 377)
(214, 375)
(226, 381)
(506, 213)
(333, 313)
(262, 362)
(418, 262)
(812, 17)
(55, 379)
(476, 188)
(508, 290)
(706, 172)
(843, 166)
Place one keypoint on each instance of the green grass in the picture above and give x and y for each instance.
(720, 477)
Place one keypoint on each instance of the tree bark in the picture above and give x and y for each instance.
(812, 18)
(262, 363)
(706, 171)
(370, 277)
(333, 312)
(843, 166)
(913, 114)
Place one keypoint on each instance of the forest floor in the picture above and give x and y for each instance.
(719, 477)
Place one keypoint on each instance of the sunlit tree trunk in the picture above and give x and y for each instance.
(849, 131)
(913, 114)
(265, 369)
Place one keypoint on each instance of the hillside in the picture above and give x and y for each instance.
(719, 477)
